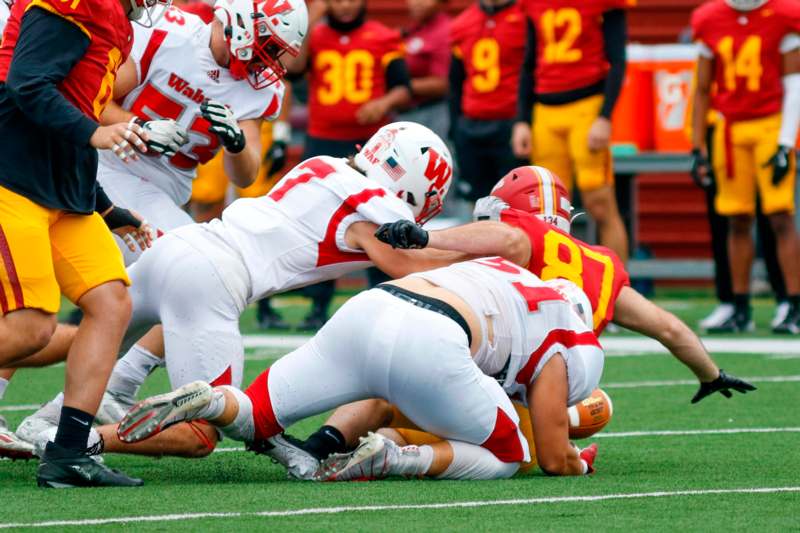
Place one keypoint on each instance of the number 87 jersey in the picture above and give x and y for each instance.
(175, 73)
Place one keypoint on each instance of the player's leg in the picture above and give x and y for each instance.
(595, 177)
(55, 352)
(549, 142)
(90, 272)
(734, 169)
(342, 429)
(769, 252)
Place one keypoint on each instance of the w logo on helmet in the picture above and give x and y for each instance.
(275, 7)
(438, 170)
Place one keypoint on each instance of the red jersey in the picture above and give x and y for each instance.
(90, 83)
(348, 70)
(747, 56)
(570, 49)
(556, 254)
(492, 48)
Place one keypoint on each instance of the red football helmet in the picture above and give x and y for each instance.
(538, 191)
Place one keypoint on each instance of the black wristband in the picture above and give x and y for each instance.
(119, 217)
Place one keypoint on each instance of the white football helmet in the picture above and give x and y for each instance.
(411, 161)
(147, 13)
(258, 32)
(576, 297)
(745, 5)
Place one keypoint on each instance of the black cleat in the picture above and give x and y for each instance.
(739, 322)
(313, 322)
(272, 320)
(790, 325)
(62, 469)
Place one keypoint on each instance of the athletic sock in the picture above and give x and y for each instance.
(3, 386)
(325, 441)
(131, 371)
(414, 461)
(73, 428)
(741, 303)
(793, 299)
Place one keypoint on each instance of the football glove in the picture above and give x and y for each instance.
(224, 125)
(701, 170)
(276, 157)
(402, 234)
(780, 163)
(489, 208)
(588, 455)
(723, 384)
(164, 136)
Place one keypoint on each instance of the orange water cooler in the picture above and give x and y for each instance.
(673, 69)
(633, 115)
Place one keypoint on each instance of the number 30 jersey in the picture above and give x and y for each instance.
(555, 254)
(531, 323)
(176, 72)
(492, 48)
(295, 235)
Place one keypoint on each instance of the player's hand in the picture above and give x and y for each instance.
(403, 234)
(780, 163)
(224, 125)
(276, 157)
(130, 226)
(489, 208)
(588, 455)
(164, 136)
(120, 138)
(599, 134)
(700, 170)
(371, 112)
(316, 10)
(521, 140)
(724, 383)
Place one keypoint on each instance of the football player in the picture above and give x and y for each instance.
(574, 71)
(488, 44)
(316, 224)
(432, 344)
(750, 52)
(357, 77)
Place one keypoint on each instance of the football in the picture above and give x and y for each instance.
(590, 415)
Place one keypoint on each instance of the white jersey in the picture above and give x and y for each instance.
(532, 322)
(295, 235)
(176, 72)
(5, 12)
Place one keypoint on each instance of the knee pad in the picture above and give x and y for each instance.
(475, 463)
(243, 426)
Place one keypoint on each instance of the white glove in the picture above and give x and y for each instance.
(488, 208)
(165, 136)
(224, 125)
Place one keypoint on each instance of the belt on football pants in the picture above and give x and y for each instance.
(432, 304)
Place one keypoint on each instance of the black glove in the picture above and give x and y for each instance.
(224, 125)
(403, 234)
(701, 170)
(780, 163)
(276, 155)
(723, 384)
(119, 217)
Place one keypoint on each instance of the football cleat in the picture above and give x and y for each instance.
(288, 452)
(718, 316)
(12, 447)
(790, 325)
(42, 420)
(95, 443)
(61, 468)
(113, 408)
(154, 415)
(737, 323)
(781, 312)
(375, 458)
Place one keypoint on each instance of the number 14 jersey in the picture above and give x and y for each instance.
(176, 72)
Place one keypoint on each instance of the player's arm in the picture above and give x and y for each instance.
(790, 108)
(615, 36)
(478, 239)
(635, 312)
(547, 400)
(456, 76)
(701, 169)
(398, 94)
(397, 263)
(127, 80)
(521, 133)
(242, 166)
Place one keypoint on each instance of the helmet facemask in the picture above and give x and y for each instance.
(147, 13)
(745, 5)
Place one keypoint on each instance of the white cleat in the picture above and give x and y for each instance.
(154, 415)
(717, 317)
(12, 447)
(42, 420)
(287, 452)
(113, 408)
(781, 312)
(375, 458)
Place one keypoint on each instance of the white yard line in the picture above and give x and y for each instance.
(680, 382)
(22, 407)
(399, 507)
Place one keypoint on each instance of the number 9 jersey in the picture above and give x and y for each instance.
(176, 72)
(556, 254)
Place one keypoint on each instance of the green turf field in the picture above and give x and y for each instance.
(663, 465)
